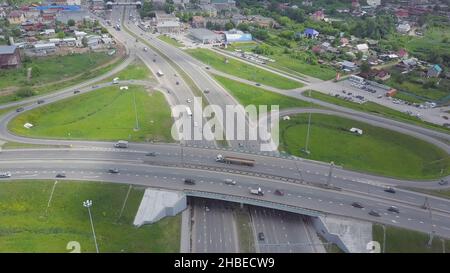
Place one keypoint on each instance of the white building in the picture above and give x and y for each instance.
(362, 47)
(374, 3)
(168, 27)
(403, 28)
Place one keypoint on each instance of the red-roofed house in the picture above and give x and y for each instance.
(318, 15)
(402, 53)
(401, 14)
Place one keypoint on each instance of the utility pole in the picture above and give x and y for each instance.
(307, 134)
(88, 204)
(299, 171)
(330, 173)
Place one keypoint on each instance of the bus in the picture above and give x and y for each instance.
(188, 111)
(356, 79)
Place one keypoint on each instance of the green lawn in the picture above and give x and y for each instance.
(55, 81)
(105, 114)
(6, 110)
(377, 109)
(249, 94)
(378, 150)
(170, 40)
(399, 240)
(242, 70)
(135, 71)
(25, 226)
(244, 229)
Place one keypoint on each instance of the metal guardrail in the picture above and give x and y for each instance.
(254, 202)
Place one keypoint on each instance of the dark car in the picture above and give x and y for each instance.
(257, 84)
(207, 67)
(261, 236)
(154, 60)
(189, 181)
(443, 182)
(61, 175)
(78, 91)
(357, 205)
(150, 154)
(374, 213)
(390, 190)
(393, 209)
(19, 109)
(40, 101)
(206, 91)
(177, 83)
(113, 170)
(279, 192)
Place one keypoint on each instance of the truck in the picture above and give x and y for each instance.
(121, 144)
(160, 73)
(235, 160)
(257, 191)
(188, 111)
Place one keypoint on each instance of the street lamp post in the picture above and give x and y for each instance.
(88, 204)
(330, 173)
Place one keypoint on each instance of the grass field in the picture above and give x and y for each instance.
(399, 240)
(170, 40)
(249, 94)
(135, 71)
(26, 227)
(83, 75)
(377, 109)
(105, 114)
(377, 151)
(245, 232)
(288, 64)
(242, 70)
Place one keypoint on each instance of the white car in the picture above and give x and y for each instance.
(188, 100)
(5, 175)
(230, 181)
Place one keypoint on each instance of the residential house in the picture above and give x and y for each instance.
(362, 48)
(434, 71)
(344, 41)
(348, 66)
(9, 57)
(311, 33)
(403, 28)
(44, 48)
(318, 16)
(402, 53)
(382, 75)
(16, 17)
(261, 21)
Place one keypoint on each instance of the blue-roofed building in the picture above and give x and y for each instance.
(237, 36)
(311, 33)
(434, 71)
(59, 7)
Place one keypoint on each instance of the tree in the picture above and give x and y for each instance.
(71, 23)
(243, 27)
(61, 35)
(365, 67)
(229, 25)
(84, 42)
(168, 7)
(24, 92)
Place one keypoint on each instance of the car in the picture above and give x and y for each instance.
(19, 109)
(207, 67)
(443, 182)
(150, 154)
(178, 83)
(279, 192)
(230, 181)
(207, 209)
(261, 236)
(154, 60)
(78, 91)
(390, 190)
(189, 181)
(40, 101)
(115, 170)
(61, 175)
(206, 91)
(145, 49)
(188, 100)
(257, 84)
(357, 205)
(374, 213)
(393, 209)
(444, 117)
(5, 174)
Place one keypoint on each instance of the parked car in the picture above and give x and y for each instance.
(390, 190)
(357, 205)
(261, 236)
(374, 213)
(115, 170)
(393, 209)
(61, 175)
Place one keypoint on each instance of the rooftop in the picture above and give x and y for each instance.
(7, 49)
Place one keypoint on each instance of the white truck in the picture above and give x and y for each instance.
(160, 73)
(121, 144)
(257, 191)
